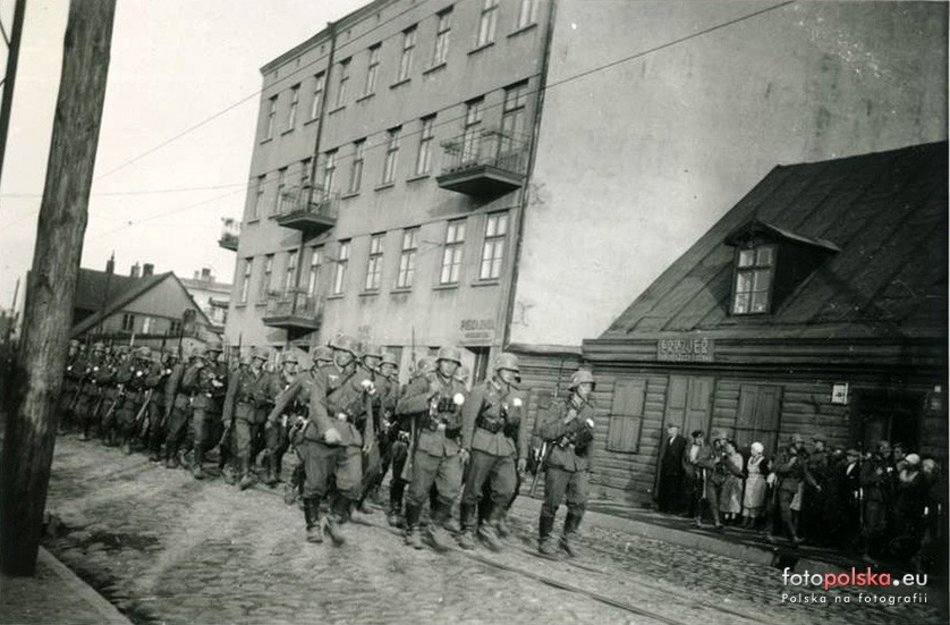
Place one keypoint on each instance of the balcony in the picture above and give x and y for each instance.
(230, 234)
(312, 214)
(484, 163)
(293, 310)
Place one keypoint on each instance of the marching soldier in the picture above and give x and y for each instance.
(89, 390)
(206, 382)
(276, 430)
(132, 381)
(247, 394)
(435, 402)
(384, 408)
(494, 434)
(158, 381)
(114, 379)
(400, 436)
(331, 442)
(178, 408)
(372, 458)
(569, 432)
(71, 381)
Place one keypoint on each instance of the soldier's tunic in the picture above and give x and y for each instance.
(336, 401)
(207, 386)
(569, 460)
(72, 378)
(89, 390)
(294, 402)
(177, 409)
(384, 411)
(245, 401)
(132, 379)
(372, 459)
(155, 384)
(494, 431)
(277, 429)
(438, 424)
(110, 379)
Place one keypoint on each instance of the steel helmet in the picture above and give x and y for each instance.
(289, 357)
(389, 358)
(451, 354)
(260, 353)
(321, 352)
(372, 350)
(345, 343)
(198, 352)
(214, 345)
(425, 364)
(507, 361)
(580, 377)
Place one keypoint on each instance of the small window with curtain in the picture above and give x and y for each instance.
(374, 268)
(755, 270)
(407, 260)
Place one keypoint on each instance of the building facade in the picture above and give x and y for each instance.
(387, 179)
(213, 297)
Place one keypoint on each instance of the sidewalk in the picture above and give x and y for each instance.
(54, 595)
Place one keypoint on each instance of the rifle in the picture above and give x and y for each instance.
(148, 399)
(545, 451)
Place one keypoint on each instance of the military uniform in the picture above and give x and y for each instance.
(155, 381)
(207, 387)
(434, 403)
(112, 379)
(249, 392)
(177, 412)
(277, 429)
(132, 380)
(89, 391)
(495, 432)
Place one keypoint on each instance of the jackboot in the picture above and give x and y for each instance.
(436, 533)
(171, 459)
(571, 523)
(467, 520)
(127, 444)
(413, 539)
(338, 511)
(271, 474)
(394, 515)
(197, 468)
(311, 512)
(546, 544)
(246, 478)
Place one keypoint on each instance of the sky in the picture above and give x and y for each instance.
(174, 63)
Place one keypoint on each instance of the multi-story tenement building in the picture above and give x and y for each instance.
(388, 179)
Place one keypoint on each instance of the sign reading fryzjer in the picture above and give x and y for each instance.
(477, 330)
(685, 350)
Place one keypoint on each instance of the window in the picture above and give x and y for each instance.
(305, 173)
(329, 171)
(443, 31)
(372, 69)
(405, 61)
(452, 256)
(528, 14)
(407, 260)
(246, 280)
(392, 153)
(339, 276)
(147, 325)
(294, 101)
(486, 25)
(281, 184)
(513, 116)
(424, 157)
(757, 417)
(753, 285)
(374, 269)
(318, 81)
(266, 278)
(259, 200)
(471, 138)
(313, 279)
(271, 116)
(175, 327)
(344, 78)
(356, 171)
(291, 272)
(128, 322)
(494, 251)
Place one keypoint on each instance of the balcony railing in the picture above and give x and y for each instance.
(485, 162)
(294, 310)
(312, 213)
(230, 234)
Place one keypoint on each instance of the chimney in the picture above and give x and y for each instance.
(206, 274)
(147, 270)
(110, 264)
(134, 271)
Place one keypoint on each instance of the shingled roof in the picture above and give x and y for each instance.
(886, 212)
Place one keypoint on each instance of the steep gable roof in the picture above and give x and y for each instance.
(886, 212)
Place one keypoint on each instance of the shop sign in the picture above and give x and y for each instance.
(477, 330)
(685, 350)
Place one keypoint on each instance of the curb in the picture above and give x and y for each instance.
(109, 613)
(711, 544)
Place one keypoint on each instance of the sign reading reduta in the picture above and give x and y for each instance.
(685, 350)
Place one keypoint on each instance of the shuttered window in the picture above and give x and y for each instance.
(626, 416)
(757, 419)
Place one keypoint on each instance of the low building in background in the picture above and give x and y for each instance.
(212, 297)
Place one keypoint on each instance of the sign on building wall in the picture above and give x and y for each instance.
(839, 393)
(685, 350)
(477, 331)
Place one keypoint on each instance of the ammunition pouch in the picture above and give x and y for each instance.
(446, 405)
(491, 425)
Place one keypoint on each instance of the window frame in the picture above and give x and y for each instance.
(342, 83)
(487, 24)
(329, 171)
(471, 130)
(407, 258)
(453, 252)
(392, 155)
(290, 271)
(527, 14)
(339, 273)
(356, 168)
(426, 139)
(294, 103)
(258, 204)
(372, 69)
(271, 118)
(406, 56)
(318, 87)
(752, 271)
(266, 277)
(374, 264)
(495, 242)
(443, 34)
(281, 184)
(246, 280)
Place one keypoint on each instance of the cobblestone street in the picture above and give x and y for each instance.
(165, 548)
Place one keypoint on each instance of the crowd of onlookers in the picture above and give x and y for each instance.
(884, 503)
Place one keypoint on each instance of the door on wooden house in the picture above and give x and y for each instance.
(626, 415)
(757, 419)
(892, 416)
(688, 404)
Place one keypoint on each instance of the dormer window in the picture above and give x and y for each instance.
(755, 269)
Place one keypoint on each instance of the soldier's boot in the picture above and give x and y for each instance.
(571, 524)
(290, 494)
(246, 478)
(230, 478)
(171, 458)
(467, 536)
(547, 545)
(271, 474)
(197, 468)
(394, 516)
(338, 511)
(127, 443)
(438, 536)
(413, 538)
(489, 536)
(311, 512)
(501, 524)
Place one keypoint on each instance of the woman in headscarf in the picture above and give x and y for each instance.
(753, 503)
(731, 502)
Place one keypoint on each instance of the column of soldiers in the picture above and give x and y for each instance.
(348, 423)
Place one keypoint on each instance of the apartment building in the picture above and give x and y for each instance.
(388, 179)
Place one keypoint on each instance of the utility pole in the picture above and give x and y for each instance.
(38, 373)
(13, 55)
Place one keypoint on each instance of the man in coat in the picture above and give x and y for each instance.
(669, 492)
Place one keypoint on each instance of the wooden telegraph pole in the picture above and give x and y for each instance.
(38, 375)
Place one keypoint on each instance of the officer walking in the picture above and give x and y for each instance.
(244, 400)
(276, 429)
(178, 406)
(569, 431)
(494, 433)
(206, 381)
(435, 402)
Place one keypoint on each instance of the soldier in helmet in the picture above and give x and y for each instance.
(71, 380)
(132, 379)
(401, 434)
(206, 382)
(89, 389)
(116, 395)
(384, 409)
(276, 430)
(178, 405)
(569, 430)
(245, 400)
(377, 387)
(331, 441)
(435, 402)
(495, 435)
